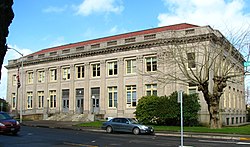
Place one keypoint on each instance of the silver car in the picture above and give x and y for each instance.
(126, 125)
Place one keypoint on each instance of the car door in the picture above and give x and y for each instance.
(116, 124)
(126, 126)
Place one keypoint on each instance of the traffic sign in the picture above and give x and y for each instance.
(247, 63)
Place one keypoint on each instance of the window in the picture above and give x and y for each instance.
(114, 42)
(191, 60)
(52, 96)
(130, 66)
(30, 77)
(128, 40)
(14, 80)
(65, 98)
(80, 71)
(150, 36)
(66, 51)
(192, 88)
(96, 70)
(112, 96)
(66, 73)
(151, 64)
(112, 68)
(40, 95)
(95, 46)
(29, 100)
(131, 95)
(13, 100)
(41, 76)
(53, 74)
(151, 89)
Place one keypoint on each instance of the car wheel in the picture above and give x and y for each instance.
(109, 129)
(136, 131)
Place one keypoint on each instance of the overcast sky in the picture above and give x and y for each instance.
(39, 24)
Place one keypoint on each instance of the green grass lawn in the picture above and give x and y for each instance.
(244, 130)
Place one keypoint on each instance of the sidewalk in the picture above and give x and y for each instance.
(71, 125)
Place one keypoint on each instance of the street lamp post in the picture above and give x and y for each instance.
(22, 84)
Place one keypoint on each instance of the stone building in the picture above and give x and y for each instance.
(105, 77)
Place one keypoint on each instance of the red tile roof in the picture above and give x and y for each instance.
(116, 37)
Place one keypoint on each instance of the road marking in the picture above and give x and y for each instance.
(243, 143)
(228, 142)
(214, 141)
(78, 144)
(242, 138)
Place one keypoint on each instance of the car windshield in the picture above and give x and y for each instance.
(133, 121)
(4, 116)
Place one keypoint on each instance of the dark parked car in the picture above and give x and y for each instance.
(8, 124)
(126, 125)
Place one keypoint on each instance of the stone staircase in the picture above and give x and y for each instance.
(72, 117)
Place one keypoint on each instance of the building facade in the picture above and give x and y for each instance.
(106, 76)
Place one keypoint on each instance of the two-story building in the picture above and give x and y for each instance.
(105, 76)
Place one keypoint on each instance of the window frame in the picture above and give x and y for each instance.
(96, 70)
(191, 60)
(152, 64)
(29, 99)
(52, 98)
(40, 76)
(53, 74)
(152, 89)
(112, 97)
(80, 74)
(40, 96)
(131, 89)
(66, 73)
(132, 69)
(112, 66)
(30, 77)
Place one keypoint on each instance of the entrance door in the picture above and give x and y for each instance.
(95, 96)
(79, 100)
(65, 100)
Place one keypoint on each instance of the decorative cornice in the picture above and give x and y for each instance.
(121, 48)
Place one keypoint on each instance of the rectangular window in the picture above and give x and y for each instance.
(80, 71)
(151, 64)
(40, 95)
(53, 74)
(151, 89)
(52, 95)
(131, 66)
(14, 80)
(114, 42)
(13, 100)
(149, 36)
(112, 68)
(41, 76)
(112, 97)
(29, 100)
(96, 70)
(129, 40)
(30, 77)
(131, 96)
(65, 98)
(191, 60)
(66, 73)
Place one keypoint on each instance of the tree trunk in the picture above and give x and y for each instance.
(6, 16)
(214, 114)
(213, 100)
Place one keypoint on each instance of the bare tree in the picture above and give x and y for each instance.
(205, 59)
(6, 17)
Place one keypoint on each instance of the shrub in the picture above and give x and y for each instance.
(165, 110)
